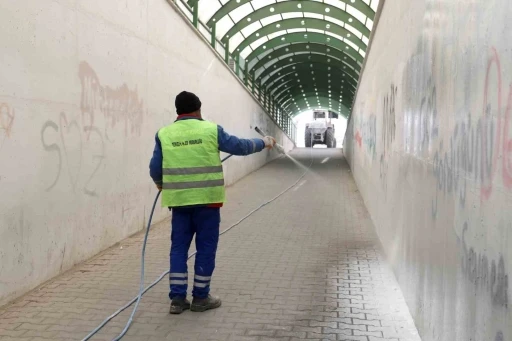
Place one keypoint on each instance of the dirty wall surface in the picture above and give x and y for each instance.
(430, 146)
(84, 87)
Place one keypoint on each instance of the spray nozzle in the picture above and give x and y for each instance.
(277, 146)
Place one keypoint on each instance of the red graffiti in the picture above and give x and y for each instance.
(6, 118)
(507, 145)
(502, 144)
(117, 105)
(359, 138)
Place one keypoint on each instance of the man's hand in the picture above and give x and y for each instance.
(270, 142)
(159, 186)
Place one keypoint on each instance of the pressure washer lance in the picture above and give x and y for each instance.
(278, 147)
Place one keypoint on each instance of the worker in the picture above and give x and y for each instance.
(187, 168)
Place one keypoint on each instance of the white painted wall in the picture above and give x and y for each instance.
(430, 147)
(84, 87)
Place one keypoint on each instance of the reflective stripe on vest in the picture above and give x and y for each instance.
(193, 184)
(192, 169)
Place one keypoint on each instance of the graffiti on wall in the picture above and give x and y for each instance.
(420, 112)
(7, 115)
(496, 153)
(389, 117)
(478, 150)
(369, 130)
(118, 106)
(389, 108)
(66, 140)
(486, 275)
(383, 173)
(76, 145)
(427, 119)
(366, 132)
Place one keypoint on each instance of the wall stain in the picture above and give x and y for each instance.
(389, 117)
(485, 275)
(7, 116)
(476, 149)
(117, 105)
(75, 158)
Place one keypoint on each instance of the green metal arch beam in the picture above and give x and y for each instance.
(293, 89)
(324, 103)
(284, 96)
(287, 87)
(306, 68)
(316, 62)
(307, 47)
(313, 49)
(307, 6)
(301, 102)
(231, 5)
(296, 23)
(311, 59)
(344, 115)
(312, 99)
(307, 37)
(319, 83)
(319, 79)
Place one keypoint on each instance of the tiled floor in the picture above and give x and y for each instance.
(307, 267)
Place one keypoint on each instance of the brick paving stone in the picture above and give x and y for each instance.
(306, 267)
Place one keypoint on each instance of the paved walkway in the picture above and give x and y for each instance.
(307, 267)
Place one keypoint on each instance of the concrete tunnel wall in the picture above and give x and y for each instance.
(84, 87)
(430, 147)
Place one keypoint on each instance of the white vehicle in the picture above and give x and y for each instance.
(321, 130)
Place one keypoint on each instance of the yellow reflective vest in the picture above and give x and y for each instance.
(192, 168)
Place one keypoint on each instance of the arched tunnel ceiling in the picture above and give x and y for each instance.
(307, 54)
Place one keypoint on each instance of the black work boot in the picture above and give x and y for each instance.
(178, 305)
(203, 304)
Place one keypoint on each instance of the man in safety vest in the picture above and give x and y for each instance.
(186, 166)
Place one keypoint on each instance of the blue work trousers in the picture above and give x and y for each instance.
(204, 222)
